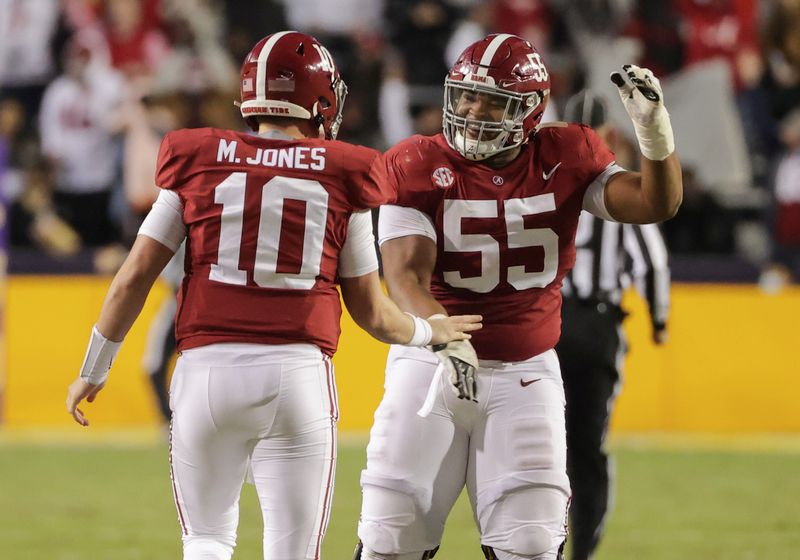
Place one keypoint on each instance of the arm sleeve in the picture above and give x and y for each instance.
(650, 268)
(594, 198)
(358, 252)
(400, 221)
(164, 222)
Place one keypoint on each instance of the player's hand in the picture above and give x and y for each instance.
(461, 364)
(457, 327)
(660, 336)
(641, 93)
(643, 99)
(81, 389)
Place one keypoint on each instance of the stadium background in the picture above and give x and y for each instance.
(707, 429)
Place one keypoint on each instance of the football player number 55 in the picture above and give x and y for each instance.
(518, 237)
(230, 194)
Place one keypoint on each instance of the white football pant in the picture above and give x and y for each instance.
(270, 407)
(509, 449)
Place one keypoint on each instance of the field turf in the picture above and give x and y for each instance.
(75, 500)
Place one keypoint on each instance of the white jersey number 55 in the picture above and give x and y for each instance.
(489, 248)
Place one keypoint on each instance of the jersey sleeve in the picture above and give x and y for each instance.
(369, 184)
(404, 166)
(167, 164)
(594, 155)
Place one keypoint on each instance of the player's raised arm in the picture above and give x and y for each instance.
(121, 307)
(654, 194)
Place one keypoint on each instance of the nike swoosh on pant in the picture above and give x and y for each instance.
(526, 383)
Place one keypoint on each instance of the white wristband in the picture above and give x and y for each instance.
(656, 140)
(422, 332)
(100, 355)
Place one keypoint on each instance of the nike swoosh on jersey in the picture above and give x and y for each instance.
(546, 176)
(526, 383)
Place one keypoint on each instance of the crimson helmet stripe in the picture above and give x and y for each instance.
(263, 56)
(488, 54)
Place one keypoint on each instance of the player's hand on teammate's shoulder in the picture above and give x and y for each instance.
(457, 327)
(78, 390)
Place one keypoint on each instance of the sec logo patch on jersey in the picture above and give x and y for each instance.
(443, 177)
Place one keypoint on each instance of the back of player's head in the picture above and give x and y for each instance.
(290, 74)
(586, 107)
(506, 72)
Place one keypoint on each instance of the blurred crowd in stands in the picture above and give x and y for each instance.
(89, 87)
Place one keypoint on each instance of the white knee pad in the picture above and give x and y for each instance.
(524, 516)
(207, 548)
(391, 521)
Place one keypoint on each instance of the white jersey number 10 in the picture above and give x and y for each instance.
(231, 194)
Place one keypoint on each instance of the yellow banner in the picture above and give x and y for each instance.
(730, 365)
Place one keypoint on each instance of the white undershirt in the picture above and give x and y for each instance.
(594, 198)
(358, 257)
(164, 223)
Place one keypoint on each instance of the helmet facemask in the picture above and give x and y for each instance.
(478, 139)
(340, 91)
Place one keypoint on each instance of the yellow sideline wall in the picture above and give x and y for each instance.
(730, 366)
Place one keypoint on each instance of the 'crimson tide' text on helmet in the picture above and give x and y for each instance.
(494, 96)
(290, 74)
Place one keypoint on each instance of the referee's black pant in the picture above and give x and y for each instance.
(590, 352)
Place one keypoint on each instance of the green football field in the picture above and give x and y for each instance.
(73, 500)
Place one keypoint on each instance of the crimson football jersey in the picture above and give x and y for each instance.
(266, 219)
(505, 237)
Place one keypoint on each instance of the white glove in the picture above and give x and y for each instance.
(644, 100)
(461, 363)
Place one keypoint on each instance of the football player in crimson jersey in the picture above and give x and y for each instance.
(272, 222)
(485, 221)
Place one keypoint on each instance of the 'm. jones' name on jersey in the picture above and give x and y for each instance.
(296, 157)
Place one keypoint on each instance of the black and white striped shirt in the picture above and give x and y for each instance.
(611, 255)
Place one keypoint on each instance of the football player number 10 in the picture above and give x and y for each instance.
(230, 193)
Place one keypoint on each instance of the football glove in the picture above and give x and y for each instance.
(644, 101)
(461, 363)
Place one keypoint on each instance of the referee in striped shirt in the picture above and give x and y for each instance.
(610, 256)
